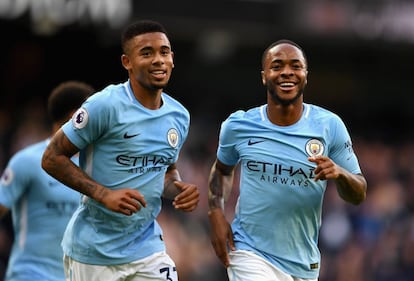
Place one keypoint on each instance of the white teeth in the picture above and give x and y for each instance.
(286, 84)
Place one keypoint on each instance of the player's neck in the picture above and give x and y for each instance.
(148, 98)
(284, 115)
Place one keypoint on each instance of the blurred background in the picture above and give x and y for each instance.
(360, 56)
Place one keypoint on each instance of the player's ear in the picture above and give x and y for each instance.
(263, 77)
(126, 63)
(306, 77)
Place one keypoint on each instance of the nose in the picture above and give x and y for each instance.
(158, 58)
(287, 71)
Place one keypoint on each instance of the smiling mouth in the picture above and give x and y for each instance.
(158, 71)
(159, 74)
(287, 86)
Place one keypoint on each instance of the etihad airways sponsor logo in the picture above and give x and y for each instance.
(143, 164)
(279, 169)
(278, 173)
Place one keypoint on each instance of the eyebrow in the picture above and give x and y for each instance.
(163, 47)
(290, 61)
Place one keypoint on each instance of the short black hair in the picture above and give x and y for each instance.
(140, 27)
(67, 97)
(284, 41)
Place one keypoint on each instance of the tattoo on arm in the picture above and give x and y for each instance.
(215, 194)
(57, 162)
(220, 185)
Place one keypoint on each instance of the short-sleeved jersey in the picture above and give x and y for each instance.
(278, 213)
(123, 145)
(40, 207)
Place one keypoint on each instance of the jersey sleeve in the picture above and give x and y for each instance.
(342, 152)
(15, 179)
(184, 128)
(88, 123)
(227, 152)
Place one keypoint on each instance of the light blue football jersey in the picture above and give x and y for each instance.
(41, 208)
(278, 212)
(123, 145)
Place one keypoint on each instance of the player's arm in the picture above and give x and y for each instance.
(57, 162)
(185, 196)
(351, 187)
(220, 183)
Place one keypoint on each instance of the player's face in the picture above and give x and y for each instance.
(149, 60)
(284, 74)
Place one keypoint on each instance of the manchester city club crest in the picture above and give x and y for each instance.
(314, 147)
(172, 137)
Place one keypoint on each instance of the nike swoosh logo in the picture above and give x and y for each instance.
(126, 136)
(254, 142)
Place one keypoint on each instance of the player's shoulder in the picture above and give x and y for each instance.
(30, 154)
(320, 112)
(33, 148)
(111, 91)
(243, 115)
(242, 119)
(174, 103)
(106, 100)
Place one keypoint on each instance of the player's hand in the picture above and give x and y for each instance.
(221, 235)
(125, 201)
(187, 200)
(325, 168)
